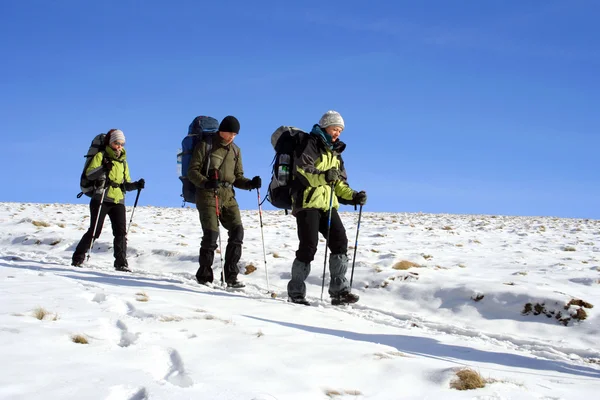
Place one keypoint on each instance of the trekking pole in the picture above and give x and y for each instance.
(356, 243)
(218, 212)
(262, 236)
(327, 239)
(137, 197)
(104, 190)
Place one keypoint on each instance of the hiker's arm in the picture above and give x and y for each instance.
(95, 171)
(127, 176)
(304, 167)
(195, 173)
(241, 181)
(342, 190)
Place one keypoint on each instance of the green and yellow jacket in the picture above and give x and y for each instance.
(118, 177)
(310, 190)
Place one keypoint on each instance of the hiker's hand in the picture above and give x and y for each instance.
(211, 184)
(256, 182)
(359, 198)
(140, 184)
(332, 175)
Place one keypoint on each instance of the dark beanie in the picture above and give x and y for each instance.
(230, 124)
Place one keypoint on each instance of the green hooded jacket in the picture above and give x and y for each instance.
(118, 176)
(312, 191)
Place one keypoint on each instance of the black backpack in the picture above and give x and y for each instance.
(288, 142)
(201, 128)
(87, 186)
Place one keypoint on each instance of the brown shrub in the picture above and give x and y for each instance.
(404, 264)
(467, 379)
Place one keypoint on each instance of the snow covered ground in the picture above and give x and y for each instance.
(509, 297)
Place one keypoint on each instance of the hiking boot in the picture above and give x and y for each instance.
(299, 300)
(235, 284)
(77, 263)
(344, 298)
(204, 282)
(123, 268)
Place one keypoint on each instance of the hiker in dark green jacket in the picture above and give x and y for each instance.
(215, 175)
(110, 170)
(321, 185)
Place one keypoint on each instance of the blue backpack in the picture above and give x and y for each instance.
(202, 127)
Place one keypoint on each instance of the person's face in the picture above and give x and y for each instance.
(117, 145)
(334, 132)
(227, 136)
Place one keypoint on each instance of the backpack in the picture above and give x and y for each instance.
(88, 186)
(288, 142)
(201, 127)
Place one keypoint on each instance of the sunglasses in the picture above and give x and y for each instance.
(119, 143)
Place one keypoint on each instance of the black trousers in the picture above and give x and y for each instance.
(118, 220)
(310, 223)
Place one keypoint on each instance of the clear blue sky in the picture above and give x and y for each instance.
(450, 106)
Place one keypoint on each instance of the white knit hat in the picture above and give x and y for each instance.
(117, 135)
(331, 118)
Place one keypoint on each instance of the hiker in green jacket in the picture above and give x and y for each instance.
(215, 175)
(110, 171)
(320, 186)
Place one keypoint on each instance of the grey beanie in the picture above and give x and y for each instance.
(116, 135)
(331, 118)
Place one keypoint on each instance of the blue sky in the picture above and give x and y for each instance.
(450, 106)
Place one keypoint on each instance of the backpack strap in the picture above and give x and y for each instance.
(209, 145)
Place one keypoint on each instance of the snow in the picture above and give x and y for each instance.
(156, 334)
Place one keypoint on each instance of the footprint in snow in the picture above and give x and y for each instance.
(176, 374)
(127, 338)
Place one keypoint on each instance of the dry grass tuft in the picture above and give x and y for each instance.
(332, 393)
(580, 303)
(54, 243)
(61, 225)
(467, 379)
(447, 228)
(170, 318)
(142, 296)
(40, 224)
(249, 269)
(79, 339)
(426, 256)
(574, 311)
(259, 333)
(569, 248)
(276, 255)
(40, 313)
(335, 393)
(404, 265)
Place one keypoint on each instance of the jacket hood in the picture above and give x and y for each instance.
(112, 155)
(337, 146)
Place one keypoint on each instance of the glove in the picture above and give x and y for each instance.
(256, 182)
(359, 198)
(140, 184)
(107, 165)
(211, 184)
(332, 175)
